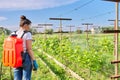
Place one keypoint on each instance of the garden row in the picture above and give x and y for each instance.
(89, 62)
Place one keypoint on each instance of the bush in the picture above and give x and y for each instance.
(49, 31)
(79, 31)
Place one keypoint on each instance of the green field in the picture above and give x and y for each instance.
(89, 59)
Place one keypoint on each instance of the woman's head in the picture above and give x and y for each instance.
(25, 23)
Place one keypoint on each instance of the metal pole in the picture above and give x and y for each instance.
(116, 40)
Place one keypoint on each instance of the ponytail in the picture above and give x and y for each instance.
(24, 20)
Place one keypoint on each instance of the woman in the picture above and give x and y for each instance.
(25, 71)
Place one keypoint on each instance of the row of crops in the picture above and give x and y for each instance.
(90, 60)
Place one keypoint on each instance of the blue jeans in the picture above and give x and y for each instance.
(25, 71)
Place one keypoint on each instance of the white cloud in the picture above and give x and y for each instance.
(3, 18)
(32, 4)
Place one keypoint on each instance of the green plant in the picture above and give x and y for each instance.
(96, 57)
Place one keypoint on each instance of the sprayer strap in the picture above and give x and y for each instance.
(24, 33)
(15, 32)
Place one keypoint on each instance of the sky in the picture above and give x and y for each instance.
(97, 12)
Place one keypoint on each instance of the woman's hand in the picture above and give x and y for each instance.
(35, 65)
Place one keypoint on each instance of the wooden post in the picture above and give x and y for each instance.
(60, 19)
(70, 31)
(87, 24)
(59, 34)
(87, 32)
(67, 19)
(60, 29)
(45, 27)
(116, 41)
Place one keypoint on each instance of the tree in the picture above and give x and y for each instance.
(7, 31)
(79, 31)
(107, 28)
(4, 30)
(34, 31)
(49, 31)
